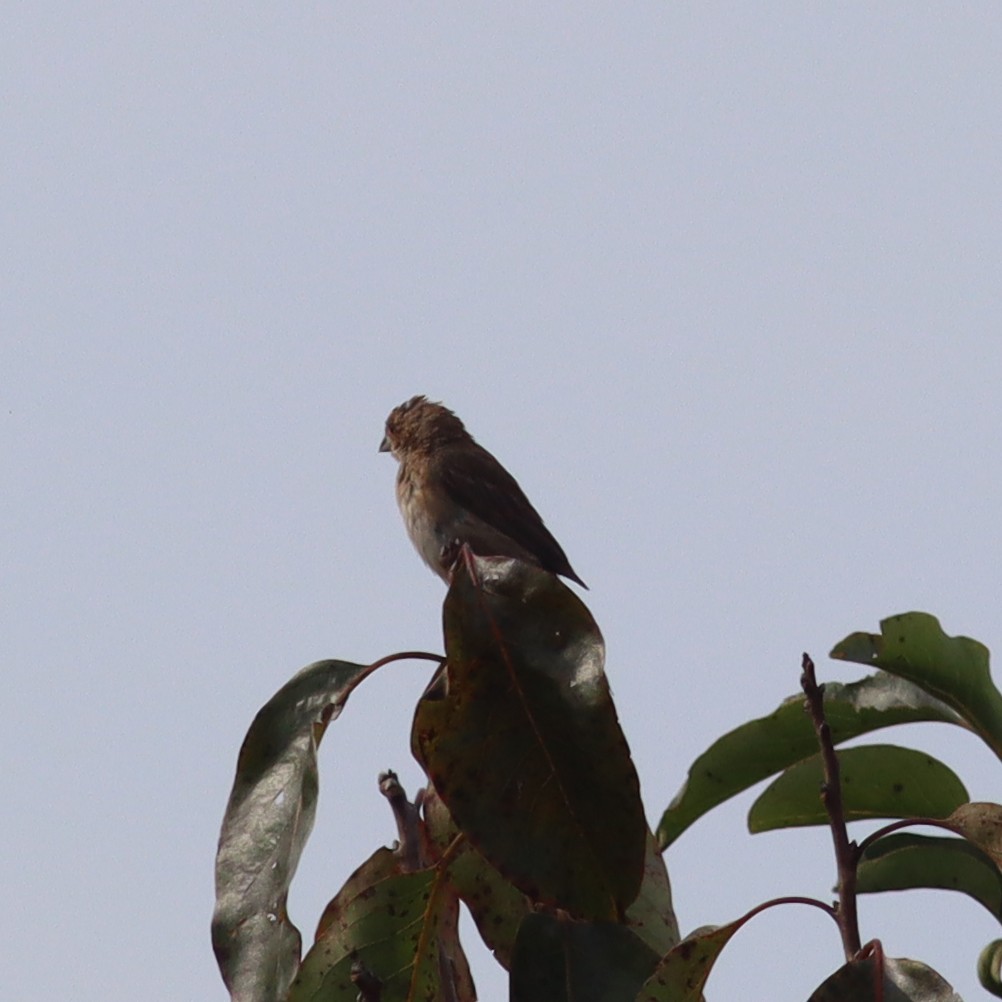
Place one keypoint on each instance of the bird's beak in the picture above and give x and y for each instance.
(384, 446)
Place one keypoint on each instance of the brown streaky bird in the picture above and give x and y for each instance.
(453, 491)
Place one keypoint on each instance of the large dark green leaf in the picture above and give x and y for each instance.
(953, 669)
(878, 781)
(556, 960)
(887, 979)
(400, 926)
(523, 744)
(903, 861)
(498, 907)
(267, 822)
(763, 747)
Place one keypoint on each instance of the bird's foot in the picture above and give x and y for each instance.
(455, 552)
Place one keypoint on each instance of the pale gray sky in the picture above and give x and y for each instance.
(722, 286)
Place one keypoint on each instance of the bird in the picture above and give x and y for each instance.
(452, 491)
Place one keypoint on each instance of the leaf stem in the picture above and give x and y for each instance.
(407, 656)
(793, 900)
(897, 826)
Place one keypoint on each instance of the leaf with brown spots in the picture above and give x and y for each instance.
(524, 746)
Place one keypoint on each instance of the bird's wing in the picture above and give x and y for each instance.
(481, 485)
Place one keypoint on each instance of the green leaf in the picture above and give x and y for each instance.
(878, 781)
(497, 906)
(524, 746)
(682, 974)
(556, 960)
(904, 861)
(651, 916)
(381, 864)
(763, 747)
(954, 669)
(884, 979)
(401, 927)
(267, 822)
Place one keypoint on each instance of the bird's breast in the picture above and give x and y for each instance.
(426, 519)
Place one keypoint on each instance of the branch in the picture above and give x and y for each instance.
(846, 853)
(406, 816)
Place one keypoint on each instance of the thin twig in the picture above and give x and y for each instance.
(406, 816)
(846, 853)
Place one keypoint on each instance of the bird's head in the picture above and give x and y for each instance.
(420, 426)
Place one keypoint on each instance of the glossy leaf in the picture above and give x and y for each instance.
(402, 927)
(903, 861)
(524, 746)
(765, 746)
(953, 669)
(556, 960)
(887, 979)
(878, 781)
(267, 822)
